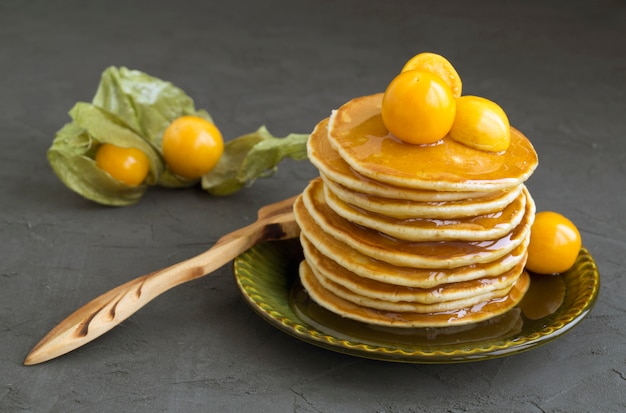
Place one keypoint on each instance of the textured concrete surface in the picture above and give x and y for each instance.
(558, 68)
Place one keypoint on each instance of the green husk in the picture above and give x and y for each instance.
(252, 156)
(71, 157)
(133, 109)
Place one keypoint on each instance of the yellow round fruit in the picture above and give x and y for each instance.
(481, 124)
(439, 65)
(418, 107)
(192, 146)
(554, 244)
(129, 166)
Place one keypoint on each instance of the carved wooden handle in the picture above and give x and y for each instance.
(108, 310)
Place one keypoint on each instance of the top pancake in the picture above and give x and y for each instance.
(357, 132)
(331, 165)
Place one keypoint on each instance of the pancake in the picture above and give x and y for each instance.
(459, 316)
(331, 165)
(357, 133)
(381, 271)
(405, 208)
(476, 228)
(311, 205)
(406, 306)
(328, 270)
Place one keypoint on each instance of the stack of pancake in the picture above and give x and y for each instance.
(406, 235)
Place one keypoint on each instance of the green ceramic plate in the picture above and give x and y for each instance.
(267, 276)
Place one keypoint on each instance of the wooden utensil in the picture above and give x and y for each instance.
(275, 222)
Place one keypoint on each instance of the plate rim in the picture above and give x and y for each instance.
(300, 329)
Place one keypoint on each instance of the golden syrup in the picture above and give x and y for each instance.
(544, 297)
(479, 222)
(467, 315)
(438, 250)
(357, 132)
(382, 290)
(329, 162)
(471, 201)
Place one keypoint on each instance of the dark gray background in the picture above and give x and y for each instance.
(558, 68)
